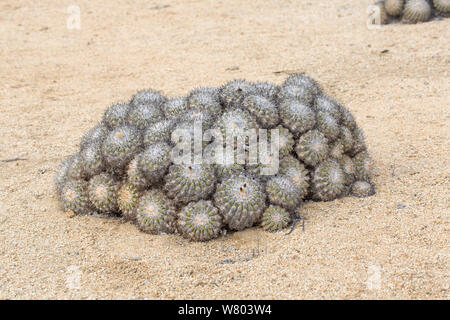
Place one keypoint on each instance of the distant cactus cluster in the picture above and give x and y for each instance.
(125, 164)
(412, 11)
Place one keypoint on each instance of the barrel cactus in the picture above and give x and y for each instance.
(411, 11)
(261, 150)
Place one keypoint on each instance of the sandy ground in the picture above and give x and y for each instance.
(56, 83)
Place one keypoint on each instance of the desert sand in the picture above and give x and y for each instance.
(58, 80)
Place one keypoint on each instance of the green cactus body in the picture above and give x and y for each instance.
(92, 160)
(262, 109)
(75, 169)
(394, 7)
(235, 119)
(143, 115)
(148, 97)
(94, 136)
(116, 115)
(155, 213)
(158, 132)
(61, 175)
(186, 183)
(200, 221)
(175, 108)
(267, 90)
(286, 141)
(275, 218)
(301, 94)
(362, 164)
(347, 119)
(74, 197)
(349, 169)
(328, 181)
(328, 106)
(135, 176)
(312, 147)
(233, 93)
(130, 163)
(241, 201)
(205, 100)
(281, 190)
(120, 146)
(154, 161)
(328, 125)
(127, 200)
(297, 116)
(359, 143)
(442, 6)
(226, 168)
(362, 189)
(302, 80)
(416, 11)
(337, 150)
(102, 191)
(346, 138)
(293, 169)
(192, 117)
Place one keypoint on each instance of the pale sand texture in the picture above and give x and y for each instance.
(56, 83)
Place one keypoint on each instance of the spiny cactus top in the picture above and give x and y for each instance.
(260, 151)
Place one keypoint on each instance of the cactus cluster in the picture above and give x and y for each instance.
(126, 167)
(411, 11)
